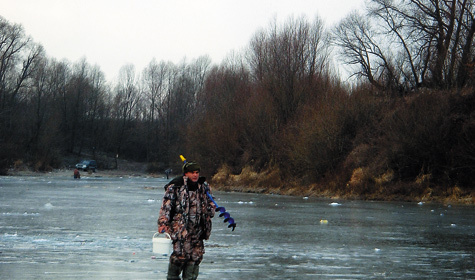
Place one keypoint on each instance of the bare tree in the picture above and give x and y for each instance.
(59, 81)
(288, 64)
(154, 84)
(433, 33)
(222, 117)
(466, 64)
(19, 56)
(79, 88)
(430, 43)
(40, 100)
(125, 101)
(97, 109)
(184, 84)
(287, 61)
(12, 42)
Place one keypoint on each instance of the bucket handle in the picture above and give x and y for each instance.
(158, 233)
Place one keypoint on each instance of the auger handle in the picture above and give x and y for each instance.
(210, 197)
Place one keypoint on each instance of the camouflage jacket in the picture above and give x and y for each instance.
(186, 213)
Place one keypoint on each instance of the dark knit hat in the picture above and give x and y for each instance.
(191, 166)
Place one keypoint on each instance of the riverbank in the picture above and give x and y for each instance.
(231, 183)
(451, 196)
(270, 182)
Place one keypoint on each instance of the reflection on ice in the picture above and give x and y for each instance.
(245, 202)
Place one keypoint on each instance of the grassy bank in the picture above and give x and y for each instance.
(355, 189)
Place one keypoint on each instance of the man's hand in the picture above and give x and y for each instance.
(162, 229)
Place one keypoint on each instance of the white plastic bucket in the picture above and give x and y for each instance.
(162, 244)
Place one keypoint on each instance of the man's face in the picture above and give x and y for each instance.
(193, 176)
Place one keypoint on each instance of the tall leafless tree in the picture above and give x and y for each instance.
(413, 42)
(287, 60)
(125, 101)
(154, 84)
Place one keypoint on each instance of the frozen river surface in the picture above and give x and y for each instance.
(101, 228)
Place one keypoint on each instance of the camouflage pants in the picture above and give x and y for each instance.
(188, 251)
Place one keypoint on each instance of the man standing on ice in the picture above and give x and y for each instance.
(186, 214)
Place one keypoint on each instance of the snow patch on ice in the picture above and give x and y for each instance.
(49, 206)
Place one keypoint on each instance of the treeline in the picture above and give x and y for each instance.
(278, 110)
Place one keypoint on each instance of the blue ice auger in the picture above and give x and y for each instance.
(226, 215)
(222, 210)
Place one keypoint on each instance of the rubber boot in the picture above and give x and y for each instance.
(191, 271)
(173, 272)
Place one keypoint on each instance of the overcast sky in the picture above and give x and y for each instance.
(113, 33)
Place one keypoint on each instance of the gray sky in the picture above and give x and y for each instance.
(113, 33)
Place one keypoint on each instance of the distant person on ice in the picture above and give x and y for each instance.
(186, 214)
(77, 175)
(168, 171)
